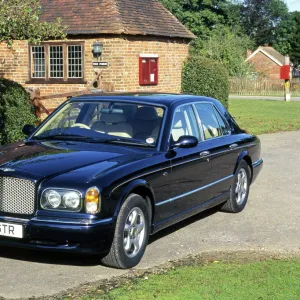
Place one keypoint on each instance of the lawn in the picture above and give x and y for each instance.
(264, 116)
(270, 279)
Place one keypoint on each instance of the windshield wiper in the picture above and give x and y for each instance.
(68, 137)
(121, 141)
(74, 137)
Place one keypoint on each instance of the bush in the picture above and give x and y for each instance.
(15, 111)
(205, 77)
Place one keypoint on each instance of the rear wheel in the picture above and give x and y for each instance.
(131, 234)
(240, 189)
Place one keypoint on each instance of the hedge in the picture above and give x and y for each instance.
(205, 77)
(15, 111)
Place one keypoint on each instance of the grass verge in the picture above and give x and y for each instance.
(270, 279)
(264, 116)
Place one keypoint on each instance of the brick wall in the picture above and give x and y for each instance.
(263, 64)
(122, 53)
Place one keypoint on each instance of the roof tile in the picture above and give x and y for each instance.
(132, 17)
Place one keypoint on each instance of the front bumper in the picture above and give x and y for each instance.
(64, 235)
(256, 167)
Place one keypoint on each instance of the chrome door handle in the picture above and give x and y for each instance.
(204, 153)
(233, 146)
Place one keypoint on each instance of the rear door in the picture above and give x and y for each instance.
(223, 148)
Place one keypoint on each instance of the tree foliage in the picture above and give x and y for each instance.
(261, 19)
(19, 20)
(15, 111)
(295, 41)
(205, 77)
(228, 48)
(200, 16)
(284, 34)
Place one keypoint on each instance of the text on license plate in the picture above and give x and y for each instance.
(11, 230)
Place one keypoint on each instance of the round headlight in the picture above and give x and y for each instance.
(71, 200)
(53, 198)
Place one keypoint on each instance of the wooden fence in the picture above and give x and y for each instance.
(262, 87)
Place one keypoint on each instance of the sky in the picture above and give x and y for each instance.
(293, 4)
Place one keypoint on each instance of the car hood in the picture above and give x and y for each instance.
(48, 159)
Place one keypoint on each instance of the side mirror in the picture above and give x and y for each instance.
(185, 141)
(28, 129)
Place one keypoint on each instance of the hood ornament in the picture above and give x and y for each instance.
(7, 170)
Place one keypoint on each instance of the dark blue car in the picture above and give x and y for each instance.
(103, 172)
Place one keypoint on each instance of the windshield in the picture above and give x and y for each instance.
(103, 121)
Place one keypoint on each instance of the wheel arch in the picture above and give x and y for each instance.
(142, 188)
(246, 157)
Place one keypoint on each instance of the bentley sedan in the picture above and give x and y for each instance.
(103, 172)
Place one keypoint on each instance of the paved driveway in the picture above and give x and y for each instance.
(270, 221)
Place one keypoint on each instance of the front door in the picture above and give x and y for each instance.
(190, 167)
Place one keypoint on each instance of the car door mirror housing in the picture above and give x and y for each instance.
(28, 129)
(185, 141)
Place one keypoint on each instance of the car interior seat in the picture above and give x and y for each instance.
(113, 124)
(144, 122)
(179, 126)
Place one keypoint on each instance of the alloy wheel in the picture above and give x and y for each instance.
(134, 232)
(241, 186)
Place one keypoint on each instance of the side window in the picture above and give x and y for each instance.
(209, 121)
(224, 127)
(184, 123)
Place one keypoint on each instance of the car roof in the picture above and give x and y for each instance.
(151, 98)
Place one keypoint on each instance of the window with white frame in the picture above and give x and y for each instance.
(75, 61)
(38, 62)
(57, 62)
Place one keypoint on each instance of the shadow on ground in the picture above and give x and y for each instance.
(72, 259)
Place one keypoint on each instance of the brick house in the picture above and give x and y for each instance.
(144, 44)
(267, 62)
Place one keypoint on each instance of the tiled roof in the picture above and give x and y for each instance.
(132, 17)
(275, 54)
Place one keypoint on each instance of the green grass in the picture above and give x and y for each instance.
(271, 279)
(264, 116)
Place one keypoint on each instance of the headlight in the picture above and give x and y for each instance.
(53, 198)
(92, 200)
(61, 200)
(72, 200)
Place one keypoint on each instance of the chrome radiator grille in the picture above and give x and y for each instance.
(17, 196)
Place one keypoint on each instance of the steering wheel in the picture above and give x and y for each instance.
(80, 125)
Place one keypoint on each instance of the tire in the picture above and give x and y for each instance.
(131, 234)
(239, 193)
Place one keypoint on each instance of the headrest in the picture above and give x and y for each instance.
(128, 110)
(113, 118)
(146, 113)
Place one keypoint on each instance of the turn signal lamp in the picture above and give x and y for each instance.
(92, 201)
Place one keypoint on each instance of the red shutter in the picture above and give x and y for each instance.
(148, 71)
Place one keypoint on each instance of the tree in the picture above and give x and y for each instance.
(295, 41)
(217, 25)
(19, 20)
(261, 18)
(200, 16)
(228, 47)
(284, 34)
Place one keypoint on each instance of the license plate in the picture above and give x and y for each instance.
(11, 230)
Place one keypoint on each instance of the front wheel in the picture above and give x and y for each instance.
(131, 234)
(240, 189)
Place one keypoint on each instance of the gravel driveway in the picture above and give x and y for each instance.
(270, 221)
